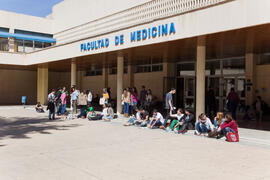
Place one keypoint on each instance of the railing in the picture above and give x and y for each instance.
(141, 14)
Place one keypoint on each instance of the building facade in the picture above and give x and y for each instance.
(192, 45)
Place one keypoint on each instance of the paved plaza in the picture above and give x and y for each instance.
(34, 148)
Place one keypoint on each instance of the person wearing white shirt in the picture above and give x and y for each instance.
(177, 122)
(156, 120)
(203, 125)
(89, 98)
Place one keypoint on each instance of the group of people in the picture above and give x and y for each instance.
(140, 112)
(131, 100)
(183, 120)
(57, 102)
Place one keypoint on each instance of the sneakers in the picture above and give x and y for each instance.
(161, 127)
(175, 131)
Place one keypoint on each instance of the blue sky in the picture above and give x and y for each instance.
(31, 7)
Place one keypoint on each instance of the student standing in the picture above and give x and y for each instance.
(233, 101)
(63, 102)
(143, 96)
(74, 97)
(82, 102)
(89, 98)
(126, 102)
(51, 105)
(168, 105)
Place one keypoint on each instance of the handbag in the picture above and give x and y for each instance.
(232, 137)
(101, 101)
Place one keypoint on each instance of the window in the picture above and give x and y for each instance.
(93, 72)
(113, 70)
(4, 44)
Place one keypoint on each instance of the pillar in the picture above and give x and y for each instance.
(42, 83)
(120, 74)
(131, 70)
(169, 71)
(200, 75)
(73, 72)
(11, 42)
(105, 72)
(250, 69)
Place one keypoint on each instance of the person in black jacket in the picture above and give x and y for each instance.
(188, 119)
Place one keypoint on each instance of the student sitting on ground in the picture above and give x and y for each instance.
(144, 118)
(187, 121)
(203, 125)
(132, 120)
(177, 122)
(229, 125)
(219, 119)
(108, 116)
(90, 112)
(157, 120)
(39, 108)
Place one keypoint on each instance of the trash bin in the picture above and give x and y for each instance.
(24, 100)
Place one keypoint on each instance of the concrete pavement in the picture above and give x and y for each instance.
(34, 148)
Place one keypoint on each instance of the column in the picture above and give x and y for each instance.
(42, 83)
(105, 72)
(169, 71)
(131, 70)
(200, 76)
(73, 72)
(11, 43)
(250, 67)
(120, 74)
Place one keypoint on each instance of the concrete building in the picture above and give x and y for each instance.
(188, 44)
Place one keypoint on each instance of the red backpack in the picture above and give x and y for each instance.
(232, 137)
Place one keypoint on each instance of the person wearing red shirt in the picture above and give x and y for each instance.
(229, 125)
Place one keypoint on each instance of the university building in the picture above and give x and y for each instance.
(192, 45)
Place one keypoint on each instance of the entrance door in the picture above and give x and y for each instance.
(186, 92)
(222, 87)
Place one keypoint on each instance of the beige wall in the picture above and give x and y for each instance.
(17, 83)
(59, 79)
(263, 82)
(153, 81)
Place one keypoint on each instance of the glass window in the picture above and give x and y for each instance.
(234, 66)
(264, 59)
(4, 44)
(186, 69)
(28, 46)
(94, 72)
(212, 68)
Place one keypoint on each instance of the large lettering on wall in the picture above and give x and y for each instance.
(159, 31)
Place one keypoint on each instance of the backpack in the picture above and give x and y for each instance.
(232, 137)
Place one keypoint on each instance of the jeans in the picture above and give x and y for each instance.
(82, 111)
(201, 128)
(59, 107)
(74, 106)
(226, 130)
(167, 117)
(51, 115)
(158, 123)
(132, 120)
(63, 109)
(126, 108)
(131, 110)
(144, 123)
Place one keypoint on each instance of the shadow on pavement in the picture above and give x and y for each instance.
(21, 127)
